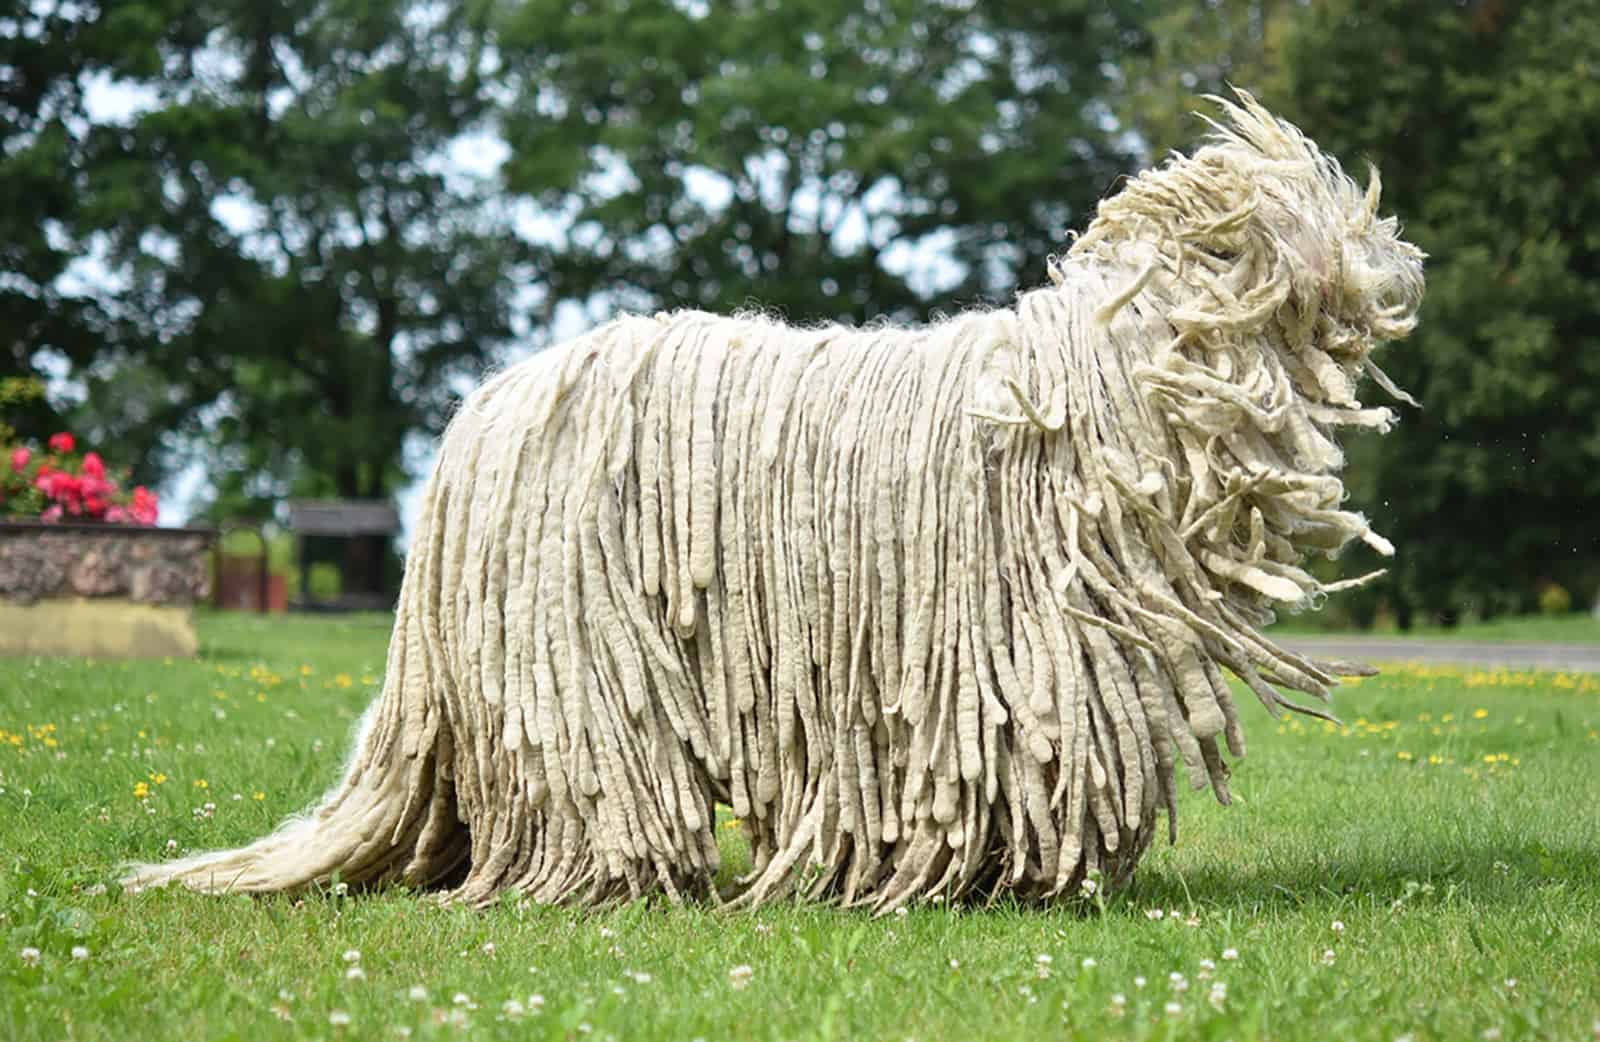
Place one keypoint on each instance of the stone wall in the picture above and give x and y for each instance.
(143, 565)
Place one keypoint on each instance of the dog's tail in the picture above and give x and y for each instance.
(393, 818)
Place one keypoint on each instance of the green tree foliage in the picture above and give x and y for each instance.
(1484, 118)
(796, 155)
(44, 55)
(1200, 47)
(299, 272)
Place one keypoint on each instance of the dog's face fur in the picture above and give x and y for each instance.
(1262, 225)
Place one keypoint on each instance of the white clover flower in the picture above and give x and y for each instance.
(536, 1003)
(417, 993)
(355, 973)
(1491, 1035)
(30, 956)
(606, 931)
(461, 998)
(1139, 982)
(1230, 954)
(512, 1009)
(1179, 982)
(1207, 967)
(1153, 913)
(1088, 886)
(488, 947)
(1219, 996)
(339, 1018)
(1089, 962)
(351, 955)
(79, 952)
(1119, 1002)
(740, 976)
(1174, 1009)
(1511, 984)
(1328, 956)
(1338, 927)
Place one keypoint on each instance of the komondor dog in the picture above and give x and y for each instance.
(934, 610)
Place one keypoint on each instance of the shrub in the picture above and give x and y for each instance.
(56, 483)
(1555, 600)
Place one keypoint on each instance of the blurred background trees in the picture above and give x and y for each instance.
(276, 238)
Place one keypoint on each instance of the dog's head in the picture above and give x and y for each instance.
(1260, 233)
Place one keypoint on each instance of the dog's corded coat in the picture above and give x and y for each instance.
(932, 609)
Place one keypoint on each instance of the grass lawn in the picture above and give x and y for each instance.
(1573, 628)
(1431, 870)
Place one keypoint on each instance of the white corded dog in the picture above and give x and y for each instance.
(934, 610)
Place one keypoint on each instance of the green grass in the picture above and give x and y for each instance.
(1575, 628)
(1451, 879)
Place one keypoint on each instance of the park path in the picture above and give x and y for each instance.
(1579, 658)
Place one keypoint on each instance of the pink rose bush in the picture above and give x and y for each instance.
(59, 485)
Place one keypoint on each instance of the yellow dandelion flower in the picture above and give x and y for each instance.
(158, 777)
(1403, 755)
(141, 790)
(343, 680)
(201, 783)
(1479, 714)
(258, 795)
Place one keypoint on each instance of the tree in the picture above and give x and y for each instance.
(298, 277)
(1480, 117)
(830, 160)
(1199, 47)
(45, 54)
(1483, 118)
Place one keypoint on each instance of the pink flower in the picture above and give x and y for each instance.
(51, 515)
(19, 458)
(95, 486)
(67, 490)
(118, 516)
(145, 507)
(93, 465)
(62, 442)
